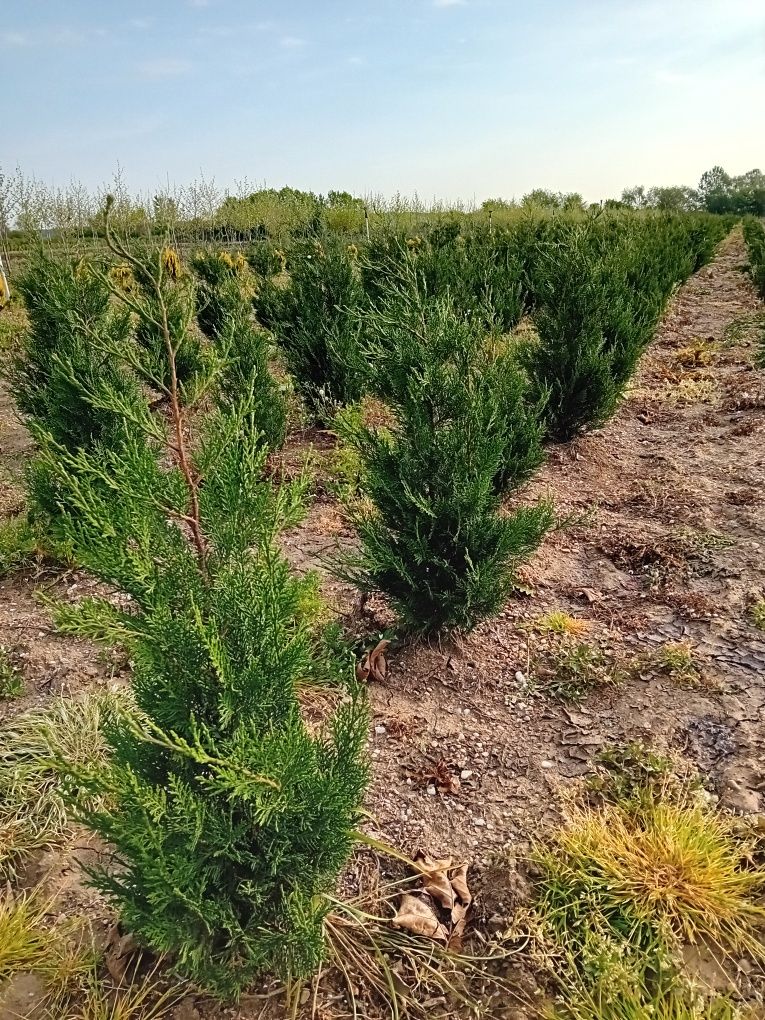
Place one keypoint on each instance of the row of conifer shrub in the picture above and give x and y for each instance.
(148, 388)
(754, 236)
(428, 326)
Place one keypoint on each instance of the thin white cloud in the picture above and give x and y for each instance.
(164, 67)
(449, 3)
(14, 39)
(140, 24)
(356, 61)
(199, 3)
(291, 42)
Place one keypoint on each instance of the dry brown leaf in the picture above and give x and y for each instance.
(459, 921)
(374, 664)
(460, 885)
(119, 952)
(416, 916)
(435, 879)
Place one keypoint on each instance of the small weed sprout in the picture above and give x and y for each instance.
(570, 670)
(676, 660)
(757, 614)
(18, 544)
(11, 684)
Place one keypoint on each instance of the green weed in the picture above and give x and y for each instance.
(757, 613)
(11, 684)
(569, 671)
(18, 544)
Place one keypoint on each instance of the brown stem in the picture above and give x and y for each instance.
(175, 409)
(183, 462)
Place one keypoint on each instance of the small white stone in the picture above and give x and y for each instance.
(547, 764)
(479, 821)
(431, 791)
(466, 773)
(380, 729)
(519, 676)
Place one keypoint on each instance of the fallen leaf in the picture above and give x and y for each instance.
(118, 953)
(460, 886)
(459, 921)
(435, 879)
(460, 908)
(374, 663)
(416, 916)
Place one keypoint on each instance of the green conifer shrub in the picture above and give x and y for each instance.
(600, 286)
(228, 817)
(433, 538)
(754, 236)
(315, 323)
(67, 305)
(224, 313)
(480, 272)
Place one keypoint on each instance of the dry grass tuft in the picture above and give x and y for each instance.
(675, 867)
(627, 885)
(32, 813)
(690, 389)
(559, 622)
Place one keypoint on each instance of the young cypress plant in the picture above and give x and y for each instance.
(754, 236)
(63, 382)
(591, 330)
(224, 313)
(228, 816)
(67, 304)
(434, 539)
(314, 322)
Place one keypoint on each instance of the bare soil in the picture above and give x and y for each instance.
(662, 539)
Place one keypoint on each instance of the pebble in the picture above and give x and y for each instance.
(547, 764)
(466, 773)
(431, 791)
(380, 729)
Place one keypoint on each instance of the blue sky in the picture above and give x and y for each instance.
(449, 98)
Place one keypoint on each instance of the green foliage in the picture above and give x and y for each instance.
(543, 199)
(18, 544)
(229, 817)
(481, 272)
(754, 236)
(264, 259)
(599, 288)
(744, 195)
(71, 322)
(315, 322)
(11, 684)
(433, 539)
(162, 293)
(224, 313)
(271, 213)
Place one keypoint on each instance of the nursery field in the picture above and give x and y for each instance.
(382, 628)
